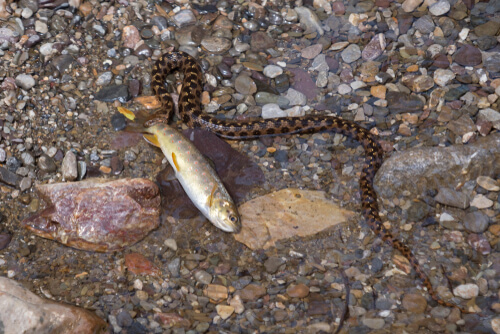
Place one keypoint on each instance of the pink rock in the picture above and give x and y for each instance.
(97, 214)
(130, 36)
(21, 311)
(139, 265)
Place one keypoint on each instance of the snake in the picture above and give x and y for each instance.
(190, 111)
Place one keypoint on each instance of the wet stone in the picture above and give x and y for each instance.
(373, 323)
(252, 292)
(425, 24)
(374, 48)
(5, 239)
(25, 183)
(401, 102)
(440, 8)
(273, 263)
(466, 291)
(116, 165)
(184, 17)
(26, 158)
(476, 222)
(468, 55)
(272, 71)
(216, 45)
(245, 85)
(351, 53)
(282, 83)
(262, 98)
(113, 93)
(492, 63)
(104, 79)
(296, 98)
(298, 291)
(3, 155)
(8, 177)
(160, 22)
(451, 197)
(415, 303)
(484, 181)
(25, 81)
(203, 277)
(118, 122)
(312, 51)
(272, 110)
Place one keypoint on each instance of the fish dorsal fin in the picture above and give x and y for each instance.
(174, 160)
(152, 139)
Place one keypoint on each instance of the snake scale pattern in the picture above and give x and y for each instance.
(191, 113)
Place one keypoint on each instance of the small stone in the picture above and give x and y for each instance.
(296, 98)
(468, 55)
(25, 183)
(104, 79)
(440, 8)
(479, 243)
(484, 181)
(69, 167)
(351, 53)
(25, 81)
(216, 292)
(272, 110)
(216, 45)
(443, 77)
(138, 264)
(373, 323)
(466, 291)
(298, 291)
(245, 85)
(418, 83)
(374, 48)
(312, 51)
(309, 19)
(130, 36)
(476, 222)
(451, 197)
(378, 91)
(415, 303)
(41, 27)
(273, 263)
(425, 24)
(252, 292)
(410, 5)
(481, 202)
(171, 243)
(184, 18)
(237, 304)
(272, 71)
(4, 240)
(344, 89)
(47, 164)
(224, 311)
(495, 325)
(203, 277)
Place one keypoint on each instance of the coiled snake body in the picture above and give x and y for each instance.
(191, 113)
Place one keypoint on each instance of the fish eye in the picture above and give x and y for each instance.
(233, 218)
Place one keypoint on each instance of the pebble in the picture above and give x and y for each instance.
(5, 239)
(273, 263)
(476, 222)
(272, 110)
(252, 292)
(113, 93)
(415, 303)
(224, 311)
(466, 291)
(262, 98)
(41, 27)
(25, 183)
(69, 167)
(484, 181)
(468, 55)
(3, 155)
(443, 77)
(296, 98)
(451, 197)
(130, 36)
(440, 8)
(410, 5)
(25, 81)
(104, 79)
(216, 45)
(272, 71)
(203, 277)
(374, 48)
(298, 291)
(481, 202)
(312, 51)
(495, 325)
(373, 323)
(351, 53)
(309, 19)
(171, 243)
(245, 85)
(46, 163)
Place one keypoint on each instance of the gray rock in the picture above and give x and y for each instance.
(420, 169)
(25, 81)
(451, 197)
(309, 20)
(27, 159)
(351, 53)
(424, 24)
(273, 263)
(69, 167)
(272, 110)
(296, 98)
(203, 277)
(25, 183)
(104, 79)
(184, 17)
(262, 98)
(8, 177)
(476, 222)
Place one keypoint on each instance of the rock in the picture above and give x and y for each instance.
(245, 85)
(451, 197)
(287, 213)
(69, 167)
(272, 110)
(5, 240)
(479, 243)
(373, 323)
(399, 102)
(130, 36)
(440, 8)
(8, 177)
(488, 183)
(203, 277)
(139, 265)
(273, 263)
(468, 55)
(97, 215)
(425, 24)
(495, 325)
(309, 20)
(443, 77)
(415, 303)
(224, 311)
(46, 164)
(260, 41)
(312, 51)
(296, 98)
(252, 292)
(25, 81)
(476, 222)
(184, 18)
(421, 169)
(466, 291)
(237, 303)
(21, 311)
(462, 126)
(481, 202)
(216, 45)
(112, 93)
(351, 53)
(298, 291)
(410, 5)
(263, 98)
(418, 83)
(272, 71)
(171, 320)
(216, 292)
(490, 28)
(374, 48)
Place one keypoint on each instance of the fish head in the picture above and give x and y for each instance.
(224, 214)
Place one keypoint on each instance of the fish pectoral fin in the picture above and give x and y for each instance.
(210, 162)
(211, 197)
(152, 139)
(176, 165)
(127, 113)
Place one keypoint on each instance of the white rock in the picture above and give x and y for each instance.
(443, 77)
(224, 311)
(410, 5)
(272, 71)
(440, 8)
(69, 167)
(41, 27)
(495, 325)
(296, 111)
(464, 33)
(25, 81)
(466, 291)
(344, 89)
(272, 110)
(481, 202)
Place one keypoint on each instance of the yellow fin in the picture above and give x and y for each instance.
(174, 159)
(127, 113)
(152, 139)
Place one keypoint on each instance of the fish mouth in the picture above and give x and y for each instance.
(229, 228)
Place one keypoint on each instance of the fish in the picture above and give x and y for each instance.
(195, 173)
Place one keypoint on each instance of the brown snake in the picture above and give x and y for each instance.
(192, 115)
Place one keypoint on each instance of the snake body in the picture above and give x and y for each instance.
(191, 113)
